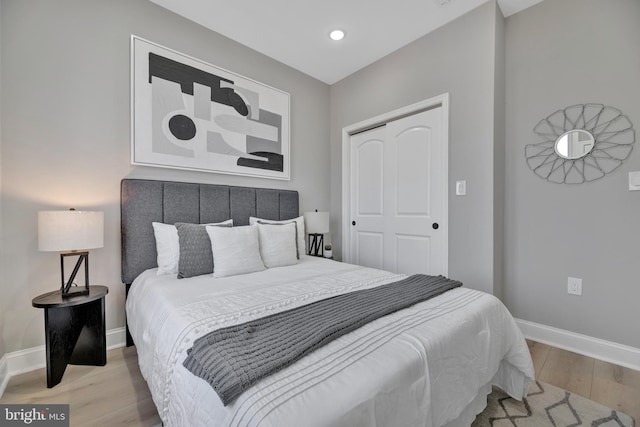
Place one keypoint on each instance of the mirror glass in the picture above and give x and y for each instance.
(574, 144)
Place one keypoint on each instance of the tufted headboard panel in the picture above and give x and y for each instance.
(145, 201)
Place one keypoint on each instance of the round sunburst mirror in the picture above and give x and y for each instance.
(582, 143)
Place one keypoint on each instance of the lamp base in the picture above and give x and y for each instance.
(316, 244)
(75, 293)
(65, 288)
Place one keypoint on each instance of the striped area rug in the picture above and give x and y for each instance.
(551, 406)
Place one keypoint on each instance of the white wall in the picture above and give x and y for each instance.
(66, 135)
(561, 53)
(459, 58)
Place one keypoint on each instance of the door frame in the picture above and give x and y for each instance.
(348, 131)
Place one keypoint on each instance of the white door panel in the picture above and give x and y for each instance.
(397, 195)
(370, 249)
(413, 149)
(367, 198)
(413, 253)
(370, 193)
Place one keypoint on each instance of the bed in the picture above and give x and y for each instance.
(431, 364)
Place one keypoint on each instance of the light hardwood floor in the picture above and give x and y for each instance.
(111, 395)
(603, 382)
(117, 395)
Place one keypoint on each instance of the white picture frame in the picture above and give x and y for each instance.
(189, 114)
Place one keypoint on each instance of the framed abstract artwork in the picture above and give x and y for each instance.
(188, 114)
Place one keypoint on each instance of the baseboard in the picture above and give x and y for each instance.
(116, 338)
(30, 359)
(612, 352)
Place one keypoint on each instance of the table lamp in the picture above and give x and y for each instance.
(72, 233)
(316, 224)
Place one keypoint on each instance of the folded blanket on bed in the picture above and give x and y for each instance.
(234, 358)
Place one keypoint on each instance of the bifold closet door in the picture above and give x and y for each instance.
(398, 196)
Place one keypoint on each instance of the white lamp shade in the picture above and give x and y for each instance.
(70, 230)
(316, 222)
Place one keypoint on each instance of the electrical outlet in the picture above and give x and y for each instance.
(574, 286)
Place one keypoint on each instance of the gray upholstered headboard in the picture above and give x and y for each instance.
(144, 201)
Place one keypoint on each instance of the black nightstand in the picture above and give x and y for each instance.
(75, 331)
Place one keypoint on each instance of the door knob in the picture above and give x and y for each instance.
(435, 226)
(353, 223)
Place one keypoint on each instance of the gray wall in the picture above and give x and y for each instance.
(64, 141)
(560, 53)
(458, 58)
(65, 133)
(2, 283)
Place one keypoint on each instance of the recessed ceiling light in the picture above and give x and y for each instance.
(336, 35)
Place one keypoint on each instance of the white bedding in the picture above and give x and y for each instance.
(429, 365)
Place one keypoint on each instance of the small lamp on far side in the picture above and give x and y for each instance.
(317, 225)
(72, 233)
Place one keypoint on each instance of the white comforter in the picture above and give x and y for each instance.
(429, 365)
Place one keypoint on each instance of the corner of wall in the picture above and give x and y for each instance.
(499, 147)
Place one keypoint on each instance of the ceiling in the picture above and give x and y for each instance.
(296, 32)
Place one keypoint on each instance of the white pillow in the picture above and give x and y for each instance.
(235, 250)
(278, 246)
(168, 246)
(300, 228)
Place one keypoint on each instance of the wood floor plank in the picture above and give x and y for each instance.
(570, 371)
(115, 394)
(141, 414)
(616, 387)
(539, 353)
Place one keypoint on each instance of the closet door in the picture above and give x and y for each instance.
(398, 196)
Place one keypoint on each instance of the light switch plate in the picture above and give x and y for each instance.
(461, 188)
(634, 181)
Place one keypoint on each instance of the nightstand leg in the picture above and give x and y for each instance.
(74, 335)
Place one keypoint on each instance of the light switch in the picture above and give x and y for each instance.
(461, 188)
(634, 181)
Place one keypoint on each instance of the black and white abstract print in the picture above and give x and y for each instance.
(191, 115)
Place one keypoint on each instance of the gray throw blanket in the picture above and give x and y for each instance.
(234, 358)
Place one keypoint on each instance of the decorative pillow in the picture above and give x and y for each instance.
(195, 258)
(299, 227)
(278, 246)
(167, 247)
(235, 250)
